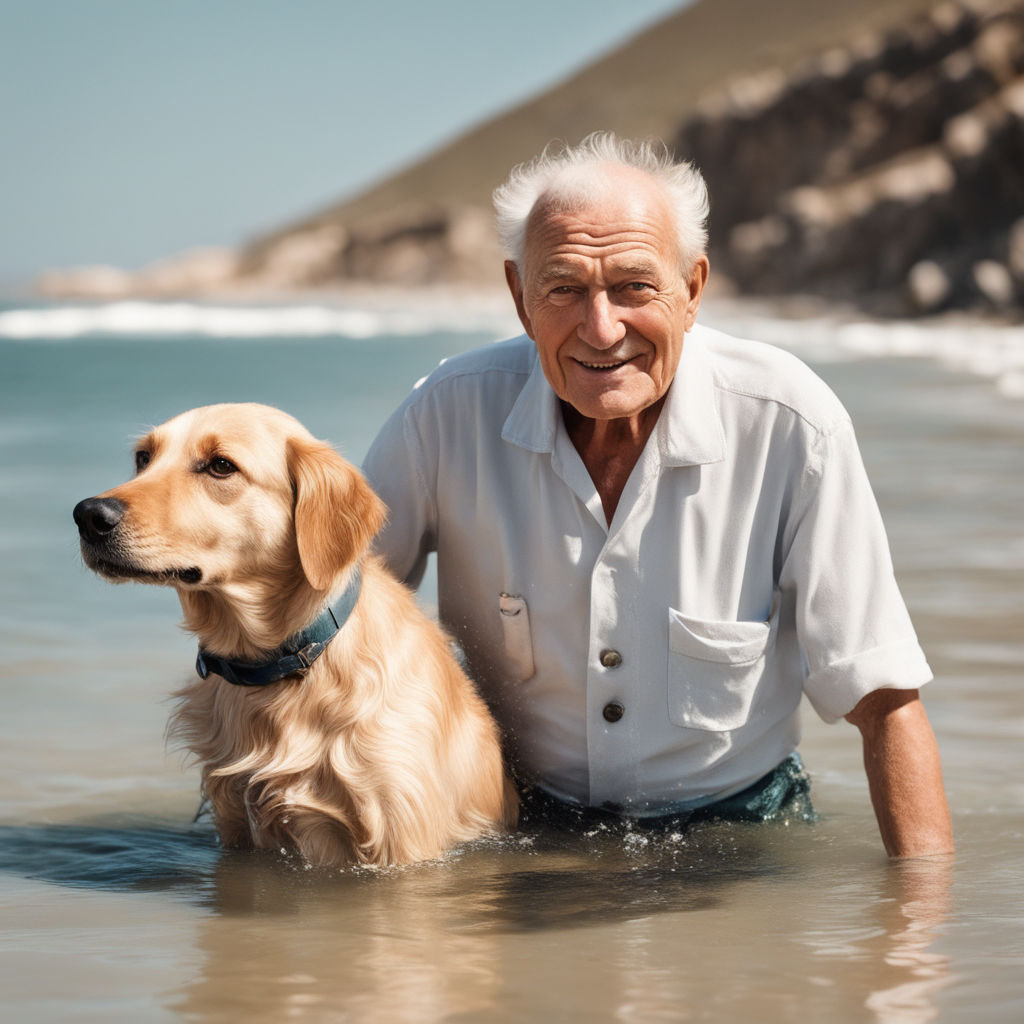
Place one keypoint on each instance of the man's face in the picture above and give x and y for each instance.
(604, 297)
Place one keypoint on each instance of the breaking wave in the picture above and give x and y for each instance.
(142, 320)
(977, 347)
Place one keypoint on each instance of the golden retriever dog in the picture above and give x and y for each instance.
(331, 717)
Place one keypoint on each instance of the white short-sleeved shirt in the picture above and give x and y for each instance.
(658, 663)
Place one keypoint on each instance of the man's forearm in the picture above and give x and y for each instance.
(901, 758)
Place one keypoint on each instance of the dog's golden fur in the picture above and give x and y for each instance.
(382, 753)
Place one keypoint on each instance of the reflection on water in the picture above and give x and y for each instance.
(722, 922)
(921, 905)
(121, 858)
(529, 881)
(882, 934)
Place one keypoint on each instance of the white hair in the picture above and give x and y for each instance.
(571, 174)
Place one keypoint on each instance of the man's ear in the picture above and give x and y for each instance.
(698, 278)
(337, 514)
(515, 286)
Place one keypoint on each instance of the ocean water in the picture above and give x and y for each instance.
(117, 906)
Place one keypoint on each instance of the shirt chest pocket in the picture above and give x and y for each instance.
(717, 671)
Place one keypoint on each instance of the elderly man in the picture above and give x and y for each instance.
(652, 538)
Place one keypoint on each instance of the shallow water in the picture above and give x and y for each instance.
(117, 907)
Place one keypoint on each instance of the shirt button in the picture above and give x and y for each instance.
(613, 711)
(610, 658)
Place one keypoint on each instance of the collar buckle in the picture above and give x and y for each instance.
(309, 654)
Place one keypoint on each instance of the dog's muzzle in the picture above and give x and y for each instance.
(106, 550)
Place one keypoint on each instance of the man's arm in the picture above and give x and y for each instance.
(399, 472)
(904, 772)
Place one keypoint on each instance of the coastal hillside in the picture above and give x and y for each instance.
(870, 152)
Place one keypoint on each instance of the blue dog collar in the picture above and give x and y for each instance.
(295, 655)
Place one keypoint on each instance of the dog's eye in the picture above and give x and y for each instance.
(221, 467)
(142, 458)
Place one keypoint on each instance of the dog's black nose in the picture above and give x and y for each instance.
(97, 517)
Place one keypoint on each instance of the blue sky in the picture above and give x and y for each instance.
(133, 129)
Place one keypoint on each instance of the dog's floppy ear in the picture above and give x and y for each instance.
(336, 512)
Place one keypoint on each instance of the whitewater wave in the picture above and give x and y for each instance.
(156, 320)
(984, 349)
(994, 351)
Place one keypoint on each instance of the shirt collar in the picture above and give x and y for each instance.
(689, 429)
(533, 422)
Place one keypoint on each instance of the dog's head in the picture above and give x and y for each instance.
(228, 494)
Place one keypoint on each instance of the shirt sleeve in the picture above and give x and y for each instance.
(854, 629)
(400, 472)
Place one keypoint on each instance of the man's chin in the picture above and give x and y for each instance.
(621, 392)
(613, 403)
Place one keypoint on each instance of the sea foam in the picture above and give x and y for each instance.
(142, 320)
(976, 347)
(991, 350)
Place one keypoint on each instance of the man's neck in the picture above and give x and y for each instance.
(610, 448)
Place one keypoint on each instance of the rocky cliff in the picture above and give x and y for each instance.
(871, 152)
(888, 172)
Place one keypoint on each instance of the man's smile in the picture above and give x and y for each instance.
(586, 364)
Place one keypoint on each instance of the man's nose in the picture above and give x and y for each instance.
(602, 325)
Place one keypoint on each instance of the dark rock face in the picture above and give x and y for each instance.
(889, 174)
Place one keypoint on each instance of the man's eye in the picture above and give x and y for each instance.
(638, 286)
(562, 295)
(141, 460)
(221, 467)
